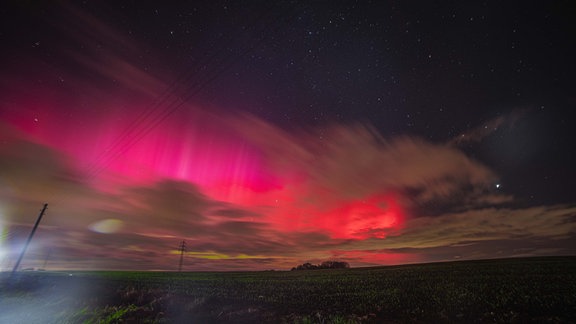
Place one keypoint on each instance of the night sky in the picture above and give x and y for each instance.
(268, 134)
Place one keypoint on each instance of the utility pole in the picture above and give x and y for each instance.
(29, 239)
(182, 248)
(46, 259)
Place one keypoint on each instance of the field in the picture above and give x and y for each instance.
(487, 291)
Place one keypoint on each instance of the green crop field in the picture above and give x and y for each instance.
(488, 291)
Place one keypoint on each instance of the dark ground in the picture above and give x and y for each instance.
(489, 291)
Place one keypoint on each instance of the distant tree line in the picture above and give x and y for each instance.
(323, 265)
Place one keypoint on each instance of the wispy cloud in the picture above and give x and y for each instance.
(485, 129)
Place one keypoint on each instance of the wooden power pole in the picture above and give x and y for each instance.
(182, 250)
(46, 259)
(29, 239)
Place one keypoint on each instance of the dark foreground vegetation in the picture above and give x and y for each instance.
(323, 265)
(502, 291)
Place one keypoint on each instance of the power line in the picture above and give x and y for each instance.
(201, 78)
(170, 100)
(192, 82)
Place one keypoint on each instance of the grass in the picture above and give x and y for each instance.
(106, 315)
(511, 290)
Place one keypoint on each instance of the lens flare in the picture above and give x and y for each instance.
(106, 226)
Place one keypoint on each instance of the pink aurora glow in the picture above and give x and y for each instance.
(209, 152)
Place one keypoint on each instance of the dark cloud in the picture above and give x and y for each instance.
(240, 228)
(234, 213)
(490, 249)
(27, 168)
(172, 206)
